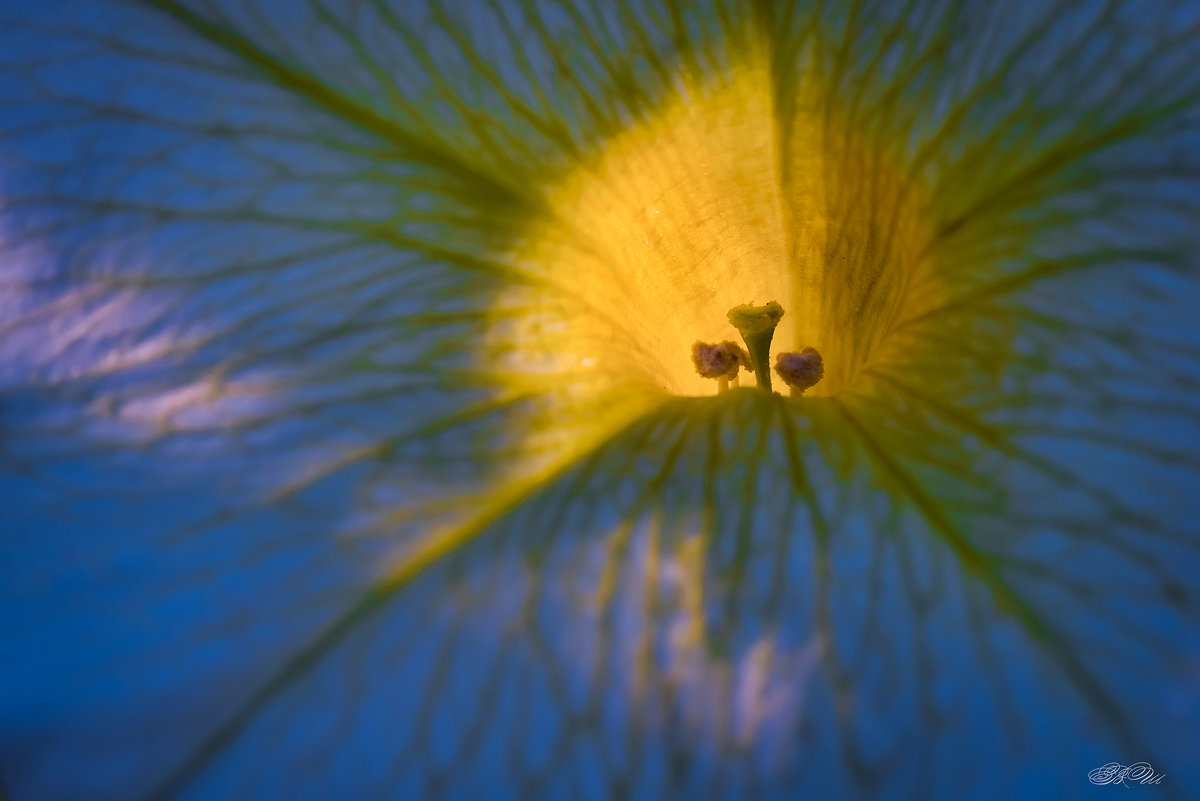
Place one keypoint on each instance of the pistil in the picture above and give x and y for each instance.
(757, 327)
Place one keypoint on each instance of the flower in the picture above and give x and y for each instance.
(359, 452)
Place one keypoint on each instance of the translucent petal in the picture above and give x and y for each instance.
(351, 446)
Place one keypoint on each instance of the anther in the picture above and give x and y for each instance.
(800, 370)
(720, 361)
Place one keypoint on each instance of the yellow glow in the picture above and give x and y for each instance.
(697, 210)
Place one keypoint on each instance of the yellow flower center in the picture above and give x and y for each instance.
(719, 200)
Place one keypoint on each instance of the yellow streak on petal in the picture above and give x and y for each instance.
(474, 513)
(484, 508)
(690, 558)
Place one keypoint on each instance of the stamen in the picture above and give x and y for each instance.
(719, 361)
(800, 370)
